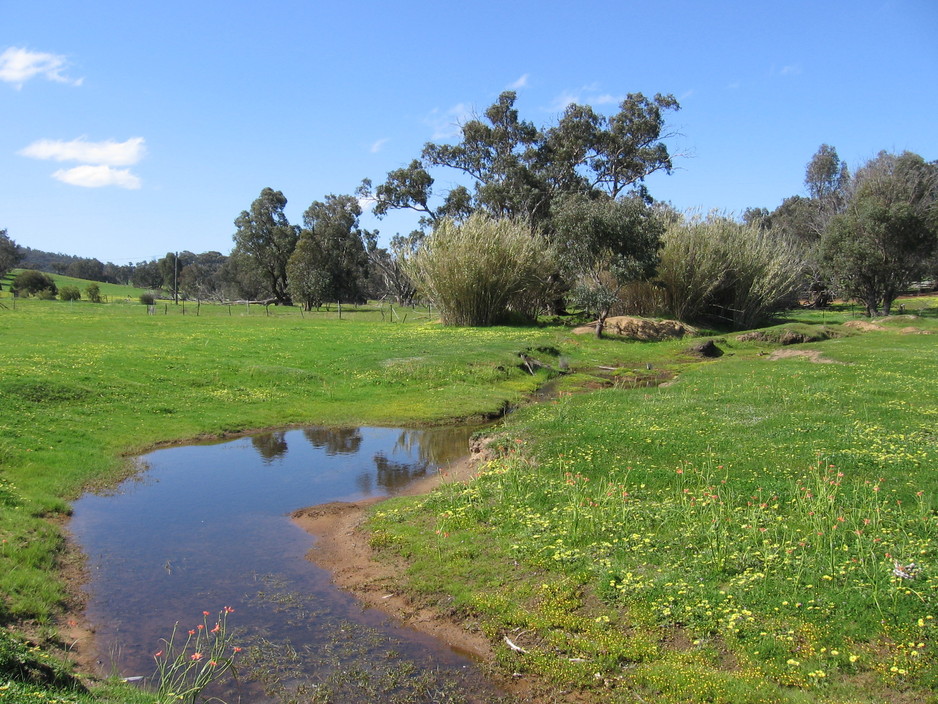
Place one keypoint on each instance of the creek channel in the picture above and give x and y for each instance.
(205, 526)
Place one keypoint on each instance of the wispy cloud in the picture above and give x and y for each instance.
(108, 152)
(446, 123)
(584, 95)
(97, 160)
(608, 99)
(522, 82)
(792, 70)
(20, 65)
(97, 177)
(378, 145)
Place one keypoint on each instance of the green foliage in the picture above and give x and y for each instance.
(70, 293)
(329, 262)
(147, 298)
(93, 291)
(477, 271)
(718, 269)
(884, 239)
(27, 664)
(11, 254)
(518, 169)
(604, 244)
(266, 239)
(31, 282)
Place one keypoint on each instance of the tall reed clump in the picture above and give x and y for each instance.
(716, 268)
(477, 271)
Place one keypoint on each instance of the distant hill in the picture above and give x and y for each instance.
(78, 267)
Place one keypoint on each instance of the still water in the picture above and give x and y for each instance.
(207, 526)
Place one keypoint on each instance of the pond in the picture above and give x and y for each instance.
(207, 526)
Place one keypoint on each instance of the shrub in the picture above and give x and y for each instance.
(147, 299)
(31, 282)
(94, 293)
(714, 267)
(477, 271)
(70, 293)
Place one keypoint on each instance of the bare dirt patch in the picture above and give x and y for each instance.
(639, 328)
(863, 326)
(811, 355)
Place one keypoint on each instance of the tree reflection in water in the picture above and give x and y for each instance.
(336, 441)
(270, 446)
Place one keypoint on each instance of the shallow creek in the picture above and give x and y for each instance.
(207, 526)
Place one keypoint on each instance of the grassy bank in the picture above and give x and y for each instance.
(84, 386)
(744, 534)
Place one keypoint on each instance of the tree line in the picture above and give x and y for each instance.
(546, 217)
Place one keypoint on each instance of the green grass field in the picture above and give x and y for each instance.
(745, 534)
(693, 542)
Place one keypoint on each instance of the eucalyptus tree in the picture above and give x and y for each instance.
(267, 238)
(515, 169)
(330, 260)
(888, 231)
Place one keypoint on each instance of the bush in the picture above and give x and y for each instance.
(94, 293)
(717, 268)
(147, 299)
(34, 283)
(69, 293)
(480, 270)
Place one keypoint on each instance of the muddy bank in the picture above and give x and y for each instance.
(343, 549)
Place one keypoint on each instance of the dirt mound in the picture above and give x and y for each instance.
(706, 349)
(639, 328)
(914, 331)
(863, 326)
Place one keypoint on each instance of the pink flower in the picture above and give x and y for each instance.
(196, 656)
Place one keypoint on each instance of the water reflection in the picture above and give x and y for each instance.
(335, 441)
(270, 446)
(207, 526)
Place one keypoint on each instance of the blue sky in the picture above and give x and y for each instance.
(131, 129)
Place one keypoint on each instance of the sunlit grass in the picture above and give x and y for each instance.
(580, 543)
(757, 531)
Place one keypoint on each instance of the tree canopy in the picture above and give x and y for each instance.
(11, 253)
(517, 170)
(265, 234)
(330, 261)
(883, 239)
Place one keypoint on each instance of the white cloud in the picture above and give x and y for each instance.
(19, 65)
(561, 102)
(97, 177)
(366, 204)
(522, 82)
(447, 124)
(107, 153)
(608, 99)
(378, 145)
(793, 70)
